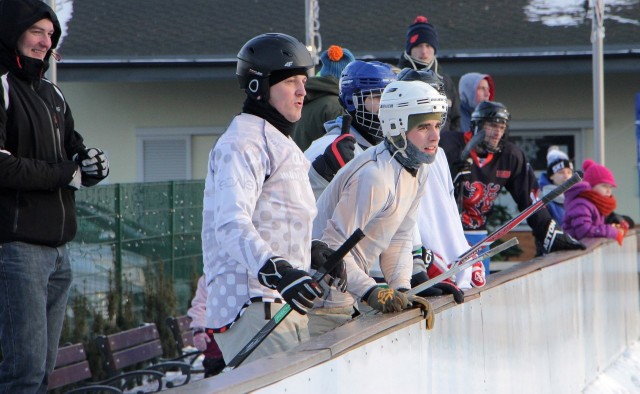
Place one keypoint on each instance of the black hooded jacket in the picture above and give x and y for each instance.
(37, 137)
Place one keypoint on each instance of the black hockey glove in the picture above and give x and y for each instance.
(555, 239)
(461, 172)
(295, 286)
(446, 286)
(614, 218)
(320, 252)
(93, 164)
(335, 156)
(419, 275)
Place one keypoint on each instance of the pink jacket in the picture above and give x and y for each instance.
(198, 305)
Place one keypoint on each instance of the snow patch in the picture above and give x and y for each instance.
(64, 12)
(563, 13)
(623, 376)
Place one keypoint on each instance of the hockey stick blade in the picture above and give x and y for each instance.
(455, 269)
(329, 265)
(511, 224)
(473, 142)
(346, 124)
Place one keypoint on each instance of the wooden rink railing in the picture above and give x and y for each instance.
(551, 324)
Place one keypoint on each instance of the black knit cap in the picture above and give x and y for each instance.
(421, 31)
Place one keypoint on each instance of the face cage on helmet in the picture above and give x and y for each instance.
(484, 145)
(364, 118)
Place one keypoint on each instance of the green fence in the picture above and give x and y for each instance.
(129, 232)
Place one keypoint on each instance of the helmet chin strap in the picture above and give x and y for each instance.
(410, 156)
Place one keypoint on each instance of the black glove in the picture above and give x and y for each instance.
(461, 171)
(295, 286)
(93, 164)
(447, 286)
(335, 156)
(419, 275)
(320, 252)
(614, 218)
(555, 239)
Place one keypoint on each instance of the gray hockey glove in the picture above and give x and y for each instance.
(320, 252)
(555, 239)
(296, 286)
(387, 300)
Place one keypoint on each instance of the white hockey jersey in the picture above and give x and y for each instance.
(375, 193)
(258, 203)
(438, 218)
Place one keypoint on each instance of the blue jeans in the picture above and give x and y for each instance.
(34, 286)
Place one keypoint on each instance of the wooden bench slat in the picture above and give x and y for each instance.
(69, 374)
(124, 358)
(134, 336)
(70, 354)
(187, 338)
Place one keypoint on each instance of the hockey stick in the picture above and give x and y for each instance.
(330, 264)
(473, 142)
(511, 224)
(346, 124)
(457, 268)
(464, 155)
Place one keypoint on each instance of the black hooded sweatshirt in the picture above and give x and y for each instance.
(37, 131)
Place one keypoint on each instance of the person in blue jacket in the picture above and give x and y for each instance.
(559, 169)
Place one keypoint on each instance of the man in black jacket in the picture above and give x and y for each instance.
(42, 162)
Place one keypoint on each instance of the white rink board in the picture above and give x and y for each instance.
(553, 330)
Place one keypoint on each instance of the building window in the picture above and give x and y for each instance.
(167, 154)
(535, 138)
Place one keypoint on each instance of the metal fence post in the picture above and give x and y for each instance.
(172, 213)
(118, 251)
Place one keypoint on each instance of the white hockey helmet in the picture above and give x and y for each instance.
(401, 99)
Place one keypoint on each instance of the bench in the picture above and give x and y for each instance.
(140, 345)
(72, 367)
(183, 338)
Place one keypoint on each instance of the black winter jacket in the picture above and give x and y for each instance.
(37, 138)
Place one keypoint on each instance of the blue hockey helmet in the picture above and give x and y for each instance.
(360, 81)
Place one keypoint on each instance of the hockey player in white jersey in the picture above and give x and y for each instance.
(440, 230)
(259, 206)
(379, 191)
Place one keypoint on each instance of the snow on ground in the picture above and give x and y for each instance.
(623, 376)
